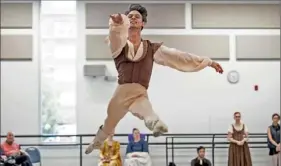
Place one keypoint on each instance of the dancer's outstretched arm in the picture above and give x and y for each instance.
(118, 33)
(183, 61)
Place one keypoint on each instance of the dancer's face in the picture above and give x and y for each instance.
(136, 134)
(275, 119)
(135, 20)
(237, 117)
(201, 153)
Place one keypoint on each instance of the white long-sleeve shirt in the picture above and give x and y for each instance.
(171, 57)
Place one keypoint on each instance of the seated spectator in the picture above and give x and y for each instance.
(12, 150)
(200, 160)
(137, 151)
(110, 153)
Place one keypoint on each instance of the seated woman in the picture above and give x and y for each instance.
(137, 151)
(10, 151)
(110, 153)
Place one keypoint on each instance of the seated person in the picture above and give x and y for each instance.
(137, 151)
(110, 153)
(12, 149)
(200, 160)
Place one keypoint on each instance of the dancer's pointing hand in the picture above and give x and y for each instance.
(217, 67)
(117, 18)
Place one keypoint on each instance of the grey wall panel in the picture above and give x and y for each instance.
(258, 47)
(16, 47)
(262, 16)
(216, 47)
(16, 15)
(162, 16)
(96, 48)
(213, 46)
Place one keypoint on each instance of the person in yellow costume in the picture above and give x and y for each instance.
(110, 153)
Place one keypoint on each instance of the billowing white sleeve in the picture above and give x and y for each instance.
(180, 60)
(118, 34)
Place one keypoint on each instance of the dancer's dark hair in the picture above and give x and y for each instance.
(142, 10)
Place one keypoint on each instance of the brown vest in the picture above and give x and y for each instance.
(136, 71)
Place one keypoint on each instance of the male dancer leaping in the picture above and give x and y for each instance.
(134, 57)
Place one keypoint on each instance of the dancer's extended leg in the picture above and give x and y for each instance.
(117, 109)
(118, 106)
(142, 109)
(115, 112)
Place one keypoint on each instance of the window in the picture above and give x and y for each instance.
(58, 7)
(62, 26)
(58, 70)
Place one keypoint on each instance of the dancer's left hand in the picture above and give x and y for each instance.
(217, 67)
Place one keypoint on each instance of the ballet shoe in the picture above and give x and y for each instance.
(98, 141)
(159, 129)
(92, 146)
(155, 125)
(150, 123)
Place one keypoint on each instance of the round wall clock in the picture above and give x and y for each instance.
(233, 77)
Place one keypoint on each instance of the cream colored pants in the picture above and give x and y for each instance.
(128, 97)
(275, 160)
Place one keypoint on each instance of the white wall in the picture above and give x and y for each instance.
(204, 98)
(20, 87)
(201, 102)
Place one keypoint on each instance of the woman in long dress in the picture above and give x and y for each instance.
(239, 152)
